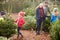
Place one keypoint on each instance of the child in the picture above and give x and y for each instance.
(20, 21)
(55, 15)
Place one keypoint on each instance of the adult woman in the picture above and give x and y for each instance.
(40, 17)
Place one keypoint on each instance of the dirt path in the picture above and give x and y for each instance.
(30, 35)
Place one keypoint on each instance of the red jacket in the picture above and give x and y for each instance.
(20, 21)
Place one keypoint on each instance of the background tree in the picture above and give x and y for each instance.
(1, 4)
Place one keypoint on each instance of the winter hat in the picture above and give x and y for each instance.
(21, 13)
(55, 9)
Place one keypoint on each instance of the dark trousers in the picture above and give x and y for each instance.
(18, 29)
(38, 24)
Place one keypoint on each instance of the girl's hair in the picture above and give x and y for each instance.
(39, 5)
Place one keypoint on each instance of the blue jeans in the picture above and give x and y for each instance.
(38, 24)
(18, 29)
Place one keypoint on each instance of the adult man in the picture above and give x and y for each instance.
(46, 9)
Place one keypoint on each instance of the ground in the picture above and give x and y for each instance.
(30, 35)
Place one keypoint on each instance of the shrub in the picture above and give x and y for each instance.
(7, 27)
(16, 6)
(46, 25)
(30, 22)
(29, 11)
(55, 31)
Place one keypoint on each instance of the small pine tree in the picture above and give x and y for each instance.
(55, 31)
(7, 28)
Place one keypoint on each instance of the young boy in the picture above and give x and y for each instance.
(20, 21)
(55, 15)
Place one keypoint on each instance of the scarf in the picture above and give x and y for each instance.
(41, 12)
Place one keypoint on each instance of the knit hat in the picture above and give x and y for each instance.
(21, 13)
(55, 9)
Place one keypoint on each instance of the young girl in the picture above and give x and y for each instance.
(20, 21)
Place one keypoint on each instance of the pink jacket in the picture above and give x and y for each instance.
(20, 21)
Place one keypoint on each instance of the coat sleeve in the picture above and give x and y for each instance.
(23, 21)
(37, 14)
(52, 18)
(49, 10)
(16, 20)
